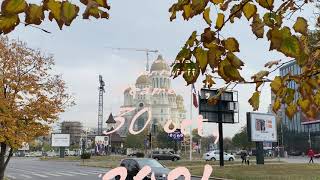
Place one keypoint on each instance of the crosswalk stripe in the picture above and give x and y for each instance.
(64, 174)
(40, 175)
(25, 176)
(92, 173)
(11, 177)
(78, 173)
(50, 174)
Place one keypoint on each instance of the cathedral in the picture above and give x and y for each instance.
(153, 89)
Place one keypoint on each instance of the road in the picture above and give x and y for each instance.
(34, 169)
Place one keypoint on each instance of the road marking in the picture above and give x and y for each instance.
(78, 173)
(50, 174)
(95, 172)
(25, 171)
(40, 175)
(11, 177)
(25, 176)
(92, 173)
(65, 174)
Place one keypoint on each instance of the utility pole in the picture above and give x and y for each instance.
(100, 106)
(190, 153)
(147, 51)
(309, 136)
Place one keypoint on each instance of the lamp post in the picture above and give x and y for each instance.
(110, 121)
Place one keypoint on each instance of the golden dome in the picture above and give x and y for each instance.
(179, 98)
(143, 79)
(159, 65)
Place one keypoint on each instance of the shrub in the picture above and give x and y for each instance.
(85, 155)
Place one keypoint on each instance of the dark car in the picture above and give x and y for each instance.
(295, 153)
(134, 165)
(165, 156)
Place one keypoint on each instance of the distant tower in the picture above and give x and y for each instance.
(100, 108)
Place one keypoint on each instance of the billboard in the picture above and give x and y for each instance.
(176, 135)
(225, 110)
(261, 127)
(305, 120)
(102, 140)
(60, 140)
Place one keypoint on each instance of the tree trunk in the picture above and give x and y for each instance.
(4, 162)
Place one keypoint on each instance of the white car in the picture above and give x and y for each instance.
(214, 155)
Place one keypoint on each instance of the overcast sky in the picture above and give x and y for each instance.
(81, 54)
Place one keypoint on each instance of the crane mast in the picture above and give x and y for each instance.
(100, 106)
(147, 51)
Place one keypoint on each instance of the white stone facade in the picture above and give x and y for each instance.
(153, 90)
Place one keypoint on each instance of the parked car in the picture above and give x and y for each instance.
(295, 153)
(317, 155)
(165, 156)
(27, 155)
(134, 165)
(214, 155)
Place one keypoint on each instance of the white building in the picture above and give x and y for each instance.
(153, 90)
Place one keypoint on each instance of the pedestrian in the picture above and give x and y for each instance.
(243, 156)
(310, 155)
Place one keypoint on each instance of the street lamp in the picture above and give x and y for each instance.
(110, 121)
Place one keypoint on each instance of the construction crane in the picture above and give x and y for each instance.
(100, 106)
(147, 51)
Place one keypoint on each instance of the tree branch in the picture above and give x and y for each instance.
(232, 14)
(46, 31)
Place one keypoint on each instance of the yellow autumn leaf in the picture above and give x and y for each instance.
(317, 98)
(257, 26)
(268, 4)
(214, 56)
(217, 1)
(249, 10)
(304, 104)
(255, 100)
(202, 58)
(301, 26)
(234, 60)
(231, 44)
(34, 14)
(206, 16)
(276, 105)
(187, 11)
(8, 23)
(291, 110)
(11, 7)
(69, 12)
(220, 21)
(289, 95)
(276, 84)
(55, 11)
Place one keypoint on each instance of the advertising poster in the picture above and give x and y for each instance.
(262, 127)
(60, 140)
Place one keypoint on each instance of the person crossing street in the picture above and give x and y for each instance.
(311, 155)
